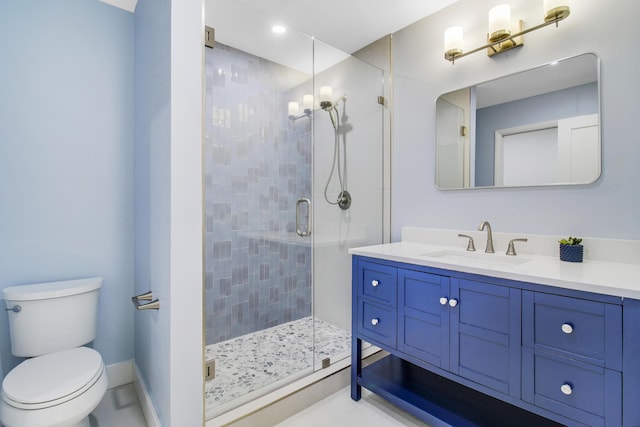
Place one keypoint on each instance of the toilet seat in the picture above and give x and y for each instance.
(52, 379)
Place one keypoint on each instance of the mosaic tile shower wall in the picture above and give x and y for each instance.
(257, 165)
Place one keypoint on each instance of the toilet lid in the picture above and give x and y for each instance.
(52, 379)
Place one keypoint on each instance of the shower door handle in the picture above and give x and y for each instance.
(307, 232)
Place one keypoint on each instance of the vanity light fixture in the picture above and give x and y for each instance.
(503, 34)
(307, 105)
(326, 98)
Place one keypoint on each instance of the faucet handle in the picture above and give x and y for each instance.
(511, 249)
(470, 245)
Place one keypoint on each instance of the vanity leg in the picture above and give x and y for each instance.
(356, 367)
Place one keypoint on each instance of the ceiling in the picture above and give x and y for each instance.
(345, 24)
(339, 27)
(129, 5)
(551, 77)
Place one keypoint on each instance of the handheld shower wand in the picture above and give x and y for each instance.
(344, 198)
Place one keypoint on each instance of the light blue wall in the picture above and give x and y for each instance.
(608, 208)
(152, 190)
(66, 155)
(168, 203)
(574, 101)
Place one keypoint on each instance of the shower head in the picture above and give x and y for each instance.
(327, 105)
(332, 105)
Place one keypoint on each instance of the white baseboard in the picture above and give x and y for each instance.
(120, 373)
(127, 373)
(146, 402)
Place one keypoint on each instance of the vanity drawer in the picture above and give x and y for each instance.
(377, 322)
(589, 331)
(378, 282)
(581, 391)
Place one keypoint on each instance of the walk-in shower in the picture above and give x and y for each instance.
(277, 268)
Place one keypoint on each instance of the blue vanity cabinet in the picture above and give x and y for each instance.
(467, 327)
(472, 350)
(572, 357)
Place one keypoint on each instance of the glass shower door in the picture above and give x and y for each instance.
(258, 253)
(348, 157)
(277, 268)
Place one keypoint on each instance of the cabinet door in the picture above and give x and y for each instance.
(423, 316)
(486, 334)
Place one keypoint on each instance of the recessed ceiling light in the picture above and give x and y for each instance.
(279, 29)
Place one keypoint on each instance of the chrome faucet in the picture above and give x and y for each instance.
(485, 224)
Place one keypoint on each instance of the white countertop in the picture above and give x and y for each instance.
(609, 278)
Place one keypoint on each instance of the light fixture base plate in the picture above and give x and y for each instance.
(558, 13)
(508, 44)
(451, 54)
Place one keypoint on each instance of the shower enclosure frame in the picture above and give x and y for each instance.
(320, 234)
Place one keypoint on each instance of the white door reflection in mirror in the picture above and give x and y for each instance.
(579, 149)
(565, 151)
(526, 157)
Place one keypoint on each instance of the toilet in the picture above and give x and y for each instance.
(60, 382)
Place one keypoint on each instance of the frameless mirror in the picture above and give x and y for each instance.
(533, 128)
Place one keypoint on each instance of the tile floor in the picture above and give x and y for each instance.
(248, 366)
(120, 408)
(339, 410)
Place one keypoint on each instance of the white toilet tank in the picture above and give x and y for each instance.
(49, 317)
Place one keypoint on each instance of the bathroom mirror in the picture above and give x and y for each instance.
(533, 128)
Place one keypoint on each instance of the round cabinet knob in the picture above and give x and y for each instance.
(453, 302)
(443, 301)
(374, 322)
(566, 389)
(374, 283)
(567, 328)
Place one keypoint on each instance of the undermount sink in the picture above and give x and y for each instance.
(477, 258)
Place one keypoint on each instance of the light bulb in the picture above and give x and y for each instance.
(293, 108)
(326, 94)
(307, 102)
(499, 22)
(452, 42)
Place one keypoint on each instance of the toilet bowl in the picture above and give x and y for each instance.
(60, 381)
(54, 390)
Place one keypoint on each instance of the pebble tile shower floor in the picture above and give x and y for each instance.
(248, 363)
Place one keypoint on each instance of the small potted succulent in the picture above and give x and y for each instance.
(571, 250)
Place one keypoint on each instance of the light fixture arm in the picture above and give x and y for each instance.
(307, 113)
(492, 45)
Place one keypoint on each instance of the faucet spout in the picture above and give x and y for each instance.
(485, 224)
